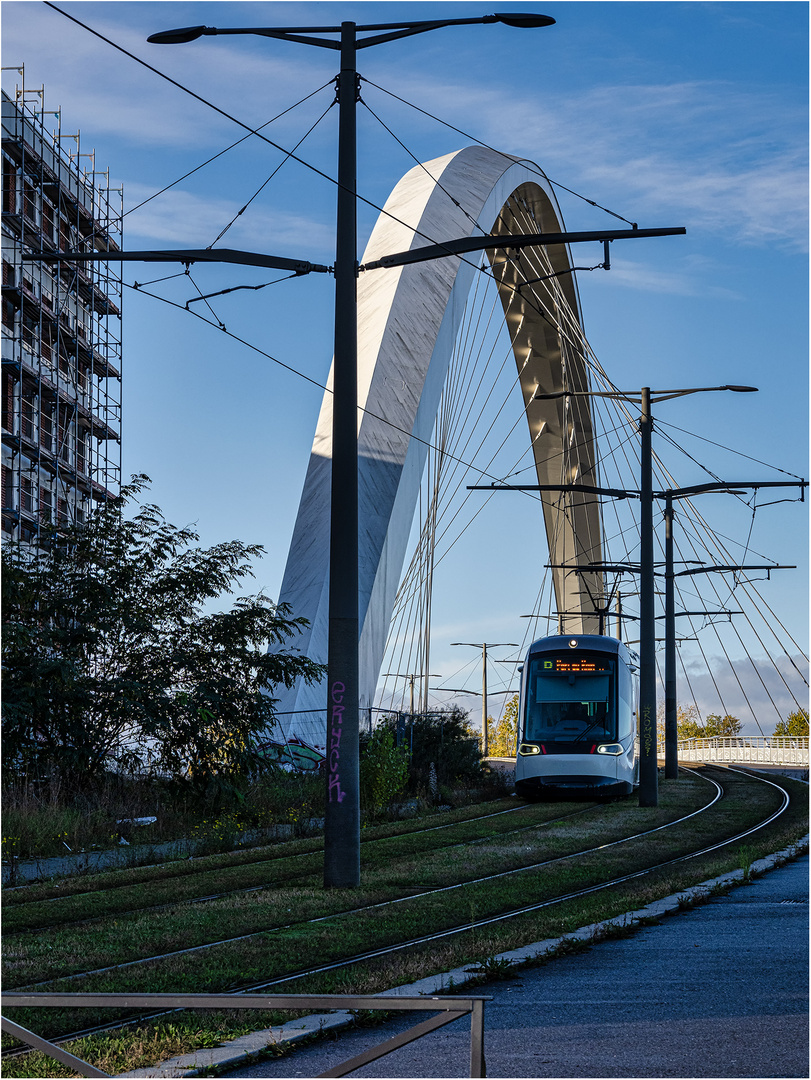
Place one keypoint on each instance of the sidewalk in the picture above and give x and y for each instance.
(720, 990)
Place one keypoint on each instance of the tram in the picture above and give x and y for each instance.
(577, 719)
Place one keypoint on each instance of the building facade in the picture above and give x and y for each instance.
(61, 327)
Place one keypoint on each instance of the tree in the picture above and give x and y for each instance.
(722, 726)
(795, 724)
(688, 725)
(111, 661)
(501, 736)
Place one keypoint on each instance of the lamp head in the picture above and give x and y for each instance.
(742, 389)
(177, 37)
(523, 20)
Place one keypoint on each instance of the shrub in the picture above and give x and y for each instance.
(445, 740)
(383, 770)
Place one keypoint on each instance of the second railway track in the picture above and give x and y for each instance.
(474, 905)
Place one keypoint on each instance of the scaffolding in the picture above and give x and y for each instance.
(61, 326)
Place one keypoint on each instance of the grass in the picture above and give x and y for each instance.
(283, 943)
(274, 866)
(41, 822)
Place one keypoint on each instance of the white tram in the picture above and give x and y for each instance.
(577, 719)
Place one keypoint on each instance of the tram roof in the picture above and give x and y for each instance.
(586, 642)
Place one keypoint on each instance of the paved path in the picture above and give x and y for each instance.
(719, 991)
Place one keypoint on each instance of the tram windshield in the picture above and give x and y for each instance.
(569, 706)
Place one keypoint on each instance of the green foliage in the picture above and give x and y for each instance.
(110, 661)
(795, 724)
(690, 726)
(687, 720)
(444, 739)
(383, 770)
(501, 736)
(722, 726)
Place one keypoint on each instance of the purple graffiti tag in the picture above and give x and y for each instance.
(336, 730)
(647, 730)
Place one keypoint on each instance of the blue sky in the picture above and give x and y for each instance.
(669, 114)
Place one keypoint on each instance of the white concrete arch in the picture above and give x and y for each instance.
(408, 318)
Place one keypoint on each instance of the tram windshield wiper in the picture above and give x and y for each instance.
(583, 734)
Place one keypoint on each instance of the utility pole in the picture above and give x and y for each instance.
(411, 679)
(648, 762)
(484, 646)
(342, 811)
(671, 699)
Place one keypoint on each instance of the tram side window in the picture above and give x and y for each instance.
(626, 706)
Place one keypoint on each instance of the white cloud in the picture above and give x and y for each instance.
(107, 92)
(772, 688)
(181, 218)
(723, 158)
(684, 280)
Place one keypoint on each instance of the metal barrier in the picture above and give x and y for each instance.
(449, 1009)
(744, 749)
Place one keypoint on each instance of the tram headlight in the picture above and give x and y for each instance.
(526, 749)
(614, 748)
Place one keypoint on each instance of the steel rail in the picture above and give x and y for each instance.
(272, 859)
(373, 907)
(473, 924)
(282, 881)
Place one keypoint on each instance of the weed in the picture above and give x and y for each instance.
(493, 968)
(746, 856)
(612, 931)
(571, 946)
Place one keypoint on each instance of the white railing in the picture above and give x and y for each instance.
(772, 750)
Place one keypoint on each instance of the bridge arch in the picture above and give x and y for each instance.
(408, 319)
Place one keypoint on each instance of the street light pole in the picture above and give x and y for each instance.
(648, 757)
(671, 705)
(342, 809)
(648, 777)
(484, 645)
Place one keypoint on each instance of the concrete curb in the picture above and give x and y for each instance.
(250, 1047)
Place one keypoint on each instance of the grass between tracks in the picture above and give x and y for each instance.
(395, 867)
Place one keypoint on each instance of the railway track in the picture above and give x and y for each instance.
(535, 871)
(15, 922)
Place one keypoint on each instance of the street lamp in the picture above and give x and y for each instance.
(411, 678)
(648, 760)
(342, 811)
(484, 646)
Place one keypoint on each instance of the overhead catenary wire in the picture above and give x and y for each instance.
(561, 320)
(275, 172)
(480, 142)
(224, 151)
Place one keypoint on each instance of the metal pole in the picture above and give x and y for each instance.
(648, 776)
(619, 616)
(671, 704)
(342, 811)
(477, 1063)
(484, 700)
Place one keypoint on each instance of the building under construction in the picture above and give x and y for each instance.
(61, 326)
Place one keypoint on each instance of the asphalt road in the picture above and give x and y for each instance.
(719, 991)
